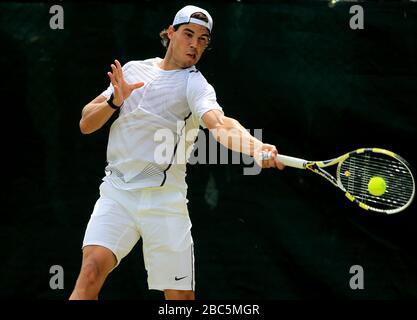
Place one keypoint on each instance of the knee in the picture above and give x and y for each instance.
(179, 294)
(90, 273)
(97, 263)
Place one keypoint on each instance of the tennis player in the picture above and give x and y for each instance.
(141, 196)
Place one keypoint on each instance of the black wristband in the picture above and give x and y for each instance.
(111, 104)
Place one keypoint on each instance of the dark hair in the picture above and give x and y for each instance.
(164, 33)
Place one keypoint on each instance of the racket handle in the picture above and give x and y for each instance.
(286, 160)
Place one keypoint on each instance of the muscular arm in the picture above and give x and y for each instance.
(95, 114)
(230, 133)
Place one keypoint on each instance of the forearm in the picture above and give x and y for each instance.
(94, 116)
(234, 136)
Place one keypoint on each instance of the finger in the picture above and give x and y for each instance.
(272, 149)
(137, 85)
(279, 164)
(119, 68)
(267, 164)
(271, 163)
(111, 76)
(114, 70)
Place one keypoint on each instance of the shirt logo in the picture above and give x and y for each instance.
(176, 278)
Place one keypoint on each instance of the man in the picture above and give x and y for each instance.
(142, 196)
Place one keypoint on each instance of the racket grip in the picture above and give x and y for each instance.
(286, 160)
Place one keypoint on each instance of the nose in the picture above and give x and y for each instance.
(193, 42)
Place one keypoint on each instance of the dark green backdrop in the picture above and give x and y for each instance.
(294, 69)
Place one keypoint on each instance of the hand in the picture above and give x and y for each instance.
(122, 89)
(271, 163)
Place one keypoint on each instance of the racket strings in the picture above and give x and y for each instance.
(390, 168)
(356, 171)
(393, 181)
(396, 185)
(395, 192)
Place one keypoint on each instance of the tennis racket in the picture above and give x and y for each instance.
(375, 179)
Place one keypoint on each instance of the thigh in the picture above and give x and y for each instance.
(167, 243)
(112, 227)
(170, 265)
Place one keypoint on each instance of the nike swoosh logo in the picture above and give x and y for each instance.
(176, 278)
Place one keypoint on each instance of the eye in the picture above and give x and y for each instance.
(189, 34)
(203, 40)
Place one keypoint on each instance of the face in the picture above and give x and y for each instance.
(187, 44)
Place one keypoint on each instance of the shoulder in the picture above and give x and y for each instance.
(131, 65)
(196, 78)
(198, 86)
(141, 63)
(194, 72)
(151, 61)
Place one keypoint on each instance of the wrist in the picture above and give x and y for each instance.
(112, 104)
(256, 148)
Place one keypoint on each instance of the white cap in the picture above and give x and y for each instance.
(184, 16)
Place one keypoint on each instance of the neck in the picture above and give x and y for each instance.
(169, 63)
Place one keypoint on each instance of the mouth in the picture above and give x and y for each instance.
(192, 55)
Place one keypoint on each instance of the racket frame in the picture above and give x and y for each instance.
(317, 167)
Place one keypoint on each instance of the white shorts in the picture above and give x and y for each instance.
(158, 215)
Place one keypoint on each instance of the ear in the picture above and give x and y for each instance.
(170, 32)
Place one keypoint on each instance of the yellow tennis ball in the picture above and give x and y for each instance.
(377, 186)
